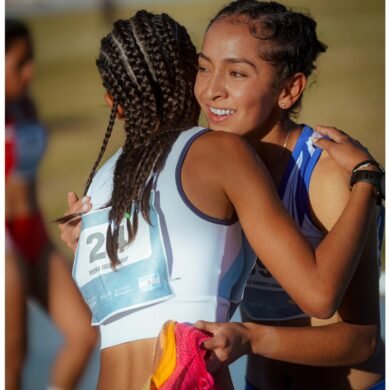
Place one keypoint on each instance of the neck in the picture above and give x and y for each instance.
(267, 142)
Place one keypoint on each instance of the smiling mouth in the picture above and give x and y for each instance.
(220, 113)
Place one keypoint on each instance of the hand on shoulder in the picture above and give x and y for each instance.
(346, 151)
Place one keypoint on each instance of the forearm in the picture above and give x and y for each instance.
(340, 344)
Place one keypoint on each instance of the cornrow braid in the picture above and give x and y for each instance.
(147, 64)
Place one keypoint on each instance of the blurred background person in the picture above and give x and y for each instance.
(33, 266)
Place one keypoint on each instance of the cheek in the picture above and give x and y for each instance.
(259, 110)
(198, 87)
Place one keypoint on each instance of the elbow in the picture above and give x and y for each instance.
(322, 313)
(370, 344)
(320, 306)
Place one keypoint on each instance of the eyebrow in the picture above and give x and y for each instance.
(230, 60)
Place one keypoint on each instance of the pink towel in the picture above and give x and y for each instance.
(190, 372)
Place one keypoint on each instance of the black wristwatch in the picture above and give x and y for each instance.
(376, 178)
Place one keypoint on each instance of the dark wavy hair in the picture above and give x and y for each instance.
(15, 30)
(148, 65)
(288, 39)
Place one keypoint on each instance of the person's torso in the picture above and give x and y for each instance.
(265, 299)
(266, 302)
(30, 138)
(185, 266)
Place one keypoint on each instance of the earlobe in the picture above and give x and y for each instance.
(292, 91)
(110, 102)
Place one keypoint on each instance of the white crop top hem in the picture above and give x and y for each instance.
(146, 323)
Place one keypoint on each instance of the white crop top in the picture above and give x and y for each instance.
(186, 266)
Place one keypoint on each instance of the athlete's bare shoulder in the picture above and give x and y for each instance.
(223, 149)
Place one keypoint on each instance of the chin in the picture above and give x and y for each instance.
(220, 127)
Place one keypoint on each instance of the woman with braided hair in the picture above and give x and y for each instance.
(165, 237)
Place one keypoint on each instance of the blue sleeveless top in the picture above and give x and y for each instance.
(264, 298)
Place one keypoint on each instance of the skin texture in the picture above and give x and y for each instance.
(221, 176)
(49, 281)
(230, 163)
(353, 336)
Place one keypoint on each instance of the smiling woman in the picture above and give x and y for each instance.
(254, 66)
(176, 190)
(228, 72)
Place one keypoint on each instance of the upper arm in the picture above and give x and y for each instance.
(315, 280)
(269, 228)
(329, 193)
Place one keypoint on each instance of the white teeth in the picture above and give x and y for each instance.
(221, 112)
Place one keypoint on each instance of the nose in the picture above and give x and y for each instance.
(216, 88)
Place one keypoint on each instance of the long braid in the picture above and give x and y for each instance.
(147, 65)
(104, 145)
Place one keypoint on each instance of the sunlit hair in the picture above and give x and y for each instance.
(148, 66)
(288, 39)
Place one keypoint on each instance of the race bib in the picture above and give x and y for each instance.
(142, 277)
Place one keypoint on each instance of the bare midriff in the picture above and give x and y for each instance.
(126, 366)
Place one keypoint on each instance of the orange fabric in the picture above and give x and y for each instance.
(167, 361)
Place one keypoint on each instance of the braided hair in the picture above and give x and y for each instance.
(289, 38)
(147, 65)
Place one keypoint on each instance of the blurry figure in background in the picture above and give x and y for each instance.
(33, 266)
(16, 341)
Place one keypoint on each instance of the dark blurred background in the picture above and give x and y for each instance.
(347, 91)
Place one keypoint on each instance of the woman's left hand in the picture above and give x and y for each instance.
(346, 151)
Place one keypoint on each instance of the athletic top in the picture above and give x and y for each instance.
(31, 141)
(264, 298)
(185, 266)
(30, 137)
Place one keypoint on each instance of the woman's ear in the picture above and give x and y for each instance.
(292, 90)
(120, 114)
